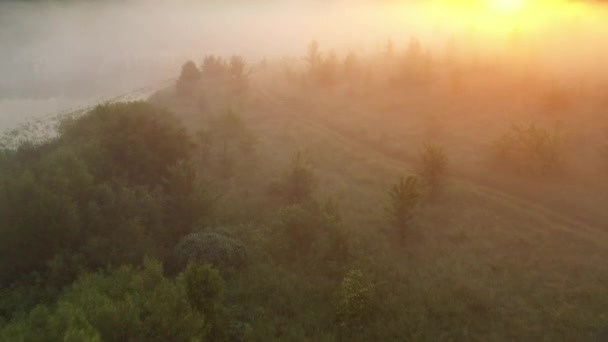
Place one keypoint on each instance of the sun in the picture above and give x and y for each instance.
(507, 6)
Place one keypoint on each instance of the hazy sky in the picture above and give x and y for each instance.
(80, 49)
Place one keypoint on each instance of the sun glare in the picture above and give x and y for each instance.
(500, 17)
(507, 6)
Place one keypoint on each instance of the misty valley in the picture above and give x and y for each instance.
(230, 172)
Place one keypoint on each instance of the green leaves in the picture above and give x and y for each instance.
(355, 302)
(126, 304)
(115, 185)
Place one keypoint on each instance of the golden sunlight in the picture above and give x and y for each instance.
(500, 17)
(508, 6)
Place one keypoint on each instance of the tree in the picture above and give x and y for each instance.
(213, 66)
(404, 199)
(205, 292)
(328, 69)
(115, 184)
(433, 168)
(227, 137)
(188, 79)
(351, 64)
(309, 231)
(236, 67)
(355, 303)
(298, 183)
(313, 56)
(213, 247)
(126, 304)
(530, 150)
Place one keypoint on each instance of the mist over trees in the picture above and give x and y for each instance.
(289, 200)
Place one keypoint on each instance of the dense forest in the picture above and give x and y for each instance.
(320, 198)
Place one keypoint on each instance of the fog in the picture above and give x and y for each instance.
(57, 55)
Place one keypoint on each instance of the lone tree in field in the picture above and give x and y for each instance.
(433, 168)
(404, 199)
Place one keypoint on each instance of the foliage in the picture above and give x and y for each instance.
(115, 185)
(298, 183)
(214, 66)
(530, 150)
(205, 292)
(226, 142)
(213, 247)
(355, 303)
(433, 168)
(188, 79)
(310, 231)
(404, 198)
(313, 56)
(126, 304)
